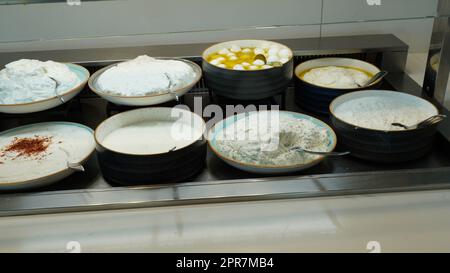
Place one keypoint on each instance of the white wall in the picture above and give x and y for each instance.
(150, 22)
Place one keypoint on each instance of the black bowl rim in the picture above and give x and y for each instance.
(333, 88)
(377, 130)
(146, 155)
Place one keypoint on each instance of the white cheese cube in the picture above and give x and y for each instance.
(258, 62)
(284, 60)
(259, 51)
(224, 51)
(235, 48)
(284, 53)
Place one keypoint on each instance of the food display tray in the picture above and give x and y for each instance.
(219, 182)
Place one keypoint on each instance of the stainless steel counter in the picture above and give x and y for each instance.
(219, 182)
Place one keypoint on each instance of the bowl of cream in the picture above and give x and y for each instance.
(319, 81)
(151, 145)
(263, 141)
(363, 122)
(28, 86)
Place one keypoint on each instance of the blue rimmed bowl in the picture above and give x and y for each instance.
(45, 104)
(268, 169)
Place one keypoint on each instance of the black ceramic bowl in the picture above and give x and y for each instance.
(246, 84)
(385, 146)
(145, 154)
(315, 98)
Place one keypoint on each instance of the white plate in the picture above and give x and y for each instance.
(148, 99)
(45, 104)
(265, 169)
(71, 142)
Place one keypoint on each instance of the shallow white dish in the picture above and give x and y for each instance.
(268, 169)
(71, 143)
(45, 104)
(146, 100)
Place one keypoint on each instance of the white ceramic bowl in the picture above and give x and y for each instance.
(146, 100)
(268, 169)
(23, 173)
(45, 104)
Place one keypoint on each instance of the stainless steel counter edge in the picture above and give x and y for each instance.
(224, 191)
(304, 46)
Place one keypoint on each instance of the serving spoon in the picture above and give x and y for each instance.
(177, 99)
(425, 123)
(263, 58)
(299, 149)
(56, 90)
(375, 78)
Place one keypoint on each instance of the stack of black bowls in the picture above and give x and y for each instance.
(174, 165)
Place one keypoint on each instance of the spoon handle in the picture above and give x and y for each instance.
(431, 121)
(75, 167)
(321, 153)
(376, 77)
(425, 123)
(400, 125)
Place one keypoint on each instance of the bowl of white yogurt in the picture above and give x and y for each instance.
(151, 145)
(28, 86)
(263, 141)
(319, 81)
(145, 81)
(363, 122)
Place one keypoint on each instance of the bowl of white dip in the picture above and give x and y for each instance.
(151, 145)
(363, 122)
(263, 141)
(145, 81)
(28, 86)
(319, 81)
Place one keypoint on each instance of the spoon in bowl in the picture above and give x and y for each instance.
(299, 149)
(263, 58)
(177, 99)
(375, 78)
(56, 90)
(425, 123)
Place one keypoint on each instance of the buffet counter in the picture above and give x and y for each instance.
(219, 182)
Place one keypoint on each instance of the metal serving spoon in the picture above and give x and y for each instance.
(299, 149)
(170, 88)
(375, 78)
(56, 90)
(75, 167)
(263, 58)
(425, 123)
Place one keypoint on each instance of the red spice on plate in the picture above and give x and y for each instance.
(28, 146)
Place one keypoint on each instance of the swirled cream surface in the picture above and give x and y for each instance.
(336, 76)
